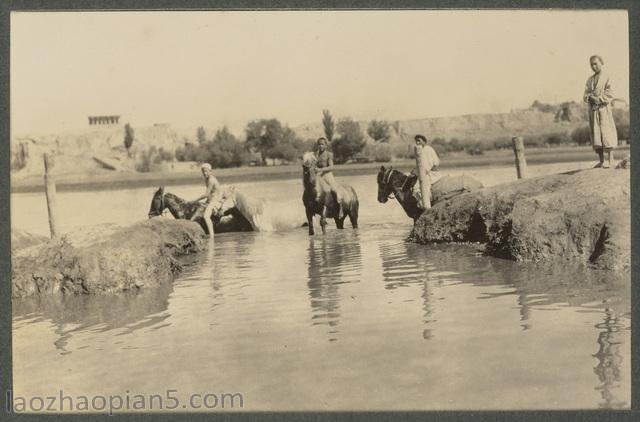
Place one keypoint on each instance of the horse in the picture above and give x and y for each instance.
(328, 199)
(391, 181)
(228, 219)
(394, 182)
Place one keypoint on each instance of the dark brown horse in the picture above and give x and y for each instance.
(328, 199)
(394, 182)
(230, 220)
(398, 184)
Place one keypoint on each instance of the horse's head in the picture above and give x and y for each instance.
(157, 203)
(309, 163)
(385, 188)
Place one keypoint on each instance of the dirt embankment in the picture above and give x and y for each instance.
(104, 259)
(583, 216)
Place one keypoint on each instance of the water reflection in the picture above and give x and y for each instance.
(609, 358)
(333, 259)
(75, 314)
(259, 308)
(404, 265)
(234, 260)
(575, 285)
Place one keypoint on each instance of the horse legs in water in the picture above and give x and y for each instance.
(323, 222)
(309, 213)
(353, 215)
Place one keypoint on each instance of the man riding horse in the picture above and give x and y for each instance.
(324, 169)
(431, 161)
(405, 188)
(212, 189)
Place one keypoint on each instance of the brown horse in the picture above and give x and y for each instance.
(394, 182)
(328, 199)
(398, 184)
(224, 220)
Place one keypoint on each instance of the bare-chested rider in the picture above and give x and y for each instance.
(324, 169)
(212, 188)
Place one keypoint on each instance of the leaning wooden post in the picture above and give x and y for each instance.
(423, 177)
(521, 161)
(50, 191)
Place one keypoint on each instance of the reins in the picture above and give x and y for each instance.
(386, 178)
(162, 207)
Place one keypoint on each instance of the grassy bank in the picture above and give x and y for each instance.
(120, 180)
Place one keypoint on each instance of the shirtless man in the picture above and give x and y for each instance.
(212, 188)
(324, 171)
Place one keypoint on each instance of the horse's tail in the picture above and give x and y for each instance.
(250, 209)
(354, 207)
(352, 198)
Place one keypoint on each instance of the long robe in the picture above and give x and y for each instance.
(602, 131)
(431, 161)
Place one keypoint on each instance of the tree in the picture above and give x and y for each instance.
(128, 138)
(272, 140)
(379, 130)
(262, 135)
(623, 131)
(201, 135)
(225, 150)
(396, 127)
(581, 135)
(349, 142)
(557, 139)
(289, 147)
(328, 124)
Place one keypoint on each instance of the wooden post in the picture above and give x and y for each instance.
(423, 177)
(50, 191)
(521, 161)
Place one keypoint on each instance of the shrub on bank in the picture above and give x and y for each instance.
(222, 151)
(378, 152)
(152, 159)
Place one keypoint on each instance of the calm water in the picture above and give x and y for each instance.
(350, 320)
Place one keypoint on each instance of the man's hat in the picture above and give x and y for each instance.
(205, 166)
(421, 138)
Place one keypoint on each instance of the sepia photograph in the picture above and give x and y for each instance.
(319, 210)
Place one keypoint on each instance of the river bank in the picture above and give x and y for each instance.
(119, 180)
(103, 259)
(582, 216)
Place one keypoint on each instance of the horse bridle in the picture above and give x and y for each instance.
(386, 178)
(162, 208)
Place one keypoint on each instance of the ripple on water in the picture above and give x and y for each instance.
(328, 322)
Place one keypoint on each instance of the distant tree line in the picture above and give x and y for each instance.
(269, 141)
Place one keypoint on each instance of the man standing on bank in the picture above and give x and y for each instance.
(598, 95)
(324, 169)
(212, 187)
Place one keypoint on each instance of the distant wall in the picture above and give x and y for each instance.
(103, 120)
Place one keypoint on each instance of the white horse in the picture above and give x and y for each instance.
(263, 216)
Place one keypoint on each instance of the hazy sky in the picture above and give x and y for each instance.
(215, 68)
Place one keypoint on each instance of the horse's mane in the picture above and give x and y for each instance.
(175, 198)
(309, 158)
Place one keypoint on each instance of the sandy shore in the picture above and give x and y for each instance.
(450, 163)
